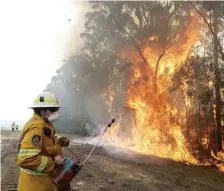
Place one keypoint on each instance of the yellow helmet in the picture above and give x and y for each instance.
(45, 99)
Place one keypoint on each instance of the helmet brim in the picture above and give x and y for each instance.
(33, 107)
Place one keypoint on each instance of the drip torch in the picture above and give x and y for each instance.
(63, 175)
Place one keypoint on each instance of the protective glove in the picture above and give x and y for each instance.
(59, 160)
(63, 141)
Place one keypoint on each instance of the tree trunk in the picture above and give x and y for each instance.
(217, 90)
(82, 102)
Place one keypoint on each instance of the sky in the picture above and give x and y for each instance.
(35, 36)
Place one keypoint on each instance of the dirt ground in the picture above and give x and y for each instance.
(113, 169)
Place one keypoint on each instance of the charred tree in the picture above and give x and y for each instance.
(217, 90)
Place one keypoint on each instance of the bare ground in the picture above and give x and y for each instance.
(118, 170)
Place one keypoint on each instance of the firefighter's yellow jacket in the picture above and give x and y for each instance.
(38, 146)
(13, 126)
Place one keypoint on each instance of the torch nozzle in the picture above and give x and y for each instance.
(109, 125)
(112, 121)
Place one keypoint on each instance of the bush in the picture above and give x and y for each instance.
(83, 130)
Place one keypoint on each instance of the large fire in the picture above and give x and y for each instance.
(154, 131)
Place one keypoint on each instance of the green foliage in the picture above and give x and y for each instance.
(83, 130)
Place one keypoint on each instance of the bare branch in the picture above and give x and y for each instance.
(144, 16)
(168, 110)
(134, 43)
(138, 14)
(158, 61)
(164, 91)
(200, 45)
(211, 29)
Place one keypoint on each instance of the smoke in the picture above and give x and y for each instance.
(95, 110)
(75, 18)
(74, 44)
(121, 153)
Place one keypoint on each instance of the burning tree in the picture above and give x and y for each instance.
(156, 38)
(146, 60)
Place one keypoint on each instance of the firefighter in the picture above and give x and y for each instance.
(13, 126)
(39, 149)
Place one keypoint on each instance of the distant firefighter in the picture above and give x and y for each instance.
(13, 126)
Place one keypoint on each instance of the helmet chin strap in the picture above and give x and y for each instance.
(46, 119)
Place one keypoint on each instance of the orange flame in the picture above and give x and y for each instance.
(155, 129)
(108, 97)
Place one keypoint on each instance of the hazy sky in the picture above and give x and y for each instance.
(35, 36)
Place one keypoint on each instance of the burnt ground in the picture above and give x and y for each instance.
(113, 169)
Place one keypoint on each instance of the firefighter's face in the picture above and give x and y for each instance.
(48, 111)
(47, 114)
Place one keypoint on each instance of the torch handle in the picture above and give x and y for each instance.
(109, 125)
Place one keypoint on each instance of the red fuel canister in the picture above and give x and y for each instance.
(63, 175)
